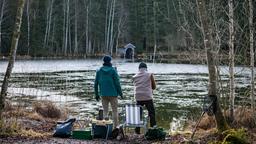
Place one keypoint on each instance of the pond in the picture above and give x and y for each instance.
(69, 83)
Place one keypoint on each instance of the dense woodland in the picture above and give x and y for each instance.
(216, 28)
(53, 28)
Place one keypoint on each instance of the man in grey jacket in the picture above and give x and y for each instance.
(144, 85)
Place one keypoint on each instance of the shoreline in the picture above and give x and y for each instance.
(160, 57)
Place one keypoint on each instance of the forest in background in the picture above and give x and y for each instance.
(60, 28)
(214, 45)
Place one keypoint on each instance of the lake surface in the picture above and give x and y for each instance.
(69, 83)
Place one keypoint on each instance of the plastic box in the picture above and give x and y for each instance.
(85, 134)
(102, 131)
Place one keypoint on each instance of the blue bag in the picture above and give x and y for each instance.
(64, 129)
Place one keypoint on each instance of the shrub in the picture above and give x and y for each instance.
(47, 109)
(233, 136)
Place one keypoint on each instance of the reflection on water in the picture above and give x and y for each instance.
(69, 83)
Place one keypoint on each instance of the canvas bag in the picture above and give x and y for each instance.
(64, 129)
(155, 134)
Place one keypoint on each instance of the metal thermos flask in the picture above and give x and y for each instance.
(100, 114)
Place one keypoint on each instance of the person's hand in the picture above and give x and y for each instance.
(121, 95)
(97, 98)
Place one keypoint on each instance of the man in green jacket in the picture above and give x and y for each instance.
(107, 80)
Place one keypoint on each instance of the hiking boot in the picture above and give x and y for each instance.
(137, 130)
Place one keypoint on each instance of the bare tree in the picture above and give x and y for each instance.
(251, 53)
(155, 44)
(109, 26)
(212, 90)
(75, 32)
(87, 28)
(64, 51)
(106, 26)
(121, 23)
(231, 59)
(3, 5)
(66, 26)
(28, 25)
(112, 27)
(14, 44)
(48, 23)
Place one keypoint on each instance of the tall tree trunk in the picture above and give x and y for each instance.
(106, 26)
(118, 33)
(168, 16)
(1, 20)
(252, 54)
(53, 47)
(64, 28)
(111, 44)
(14, 44)
(48, 23)
(109, 25)
(231, 60)
(87, 29)
(212, 90)
(67, 29)
(28, 26)
(146, 25)
(76, 45)
(155, 45)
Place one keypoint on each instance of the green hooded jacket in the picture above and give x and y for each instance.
(107, 80)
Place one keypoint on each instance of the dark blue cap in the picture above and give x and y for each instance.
(107, 59)
(142, 65)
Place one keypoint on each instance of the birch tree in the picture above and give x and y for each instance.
(65, 27)
(111, 44)
(48, 23)
(231, 60)
(12, 56)
(212, 86)
(121, 24)
(28, 25)
(87, 28)
(75, 31)
(155, 45)
(3, 5)
(251, 28)
(109, 26)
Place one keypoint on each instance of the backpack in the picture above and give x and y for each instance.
(64, 129)
(155, 134)
(118, 133)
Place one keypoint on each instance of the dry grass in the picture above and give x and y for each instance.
(8, 106)
(47, 109)
(207, 122)
(9, 127)
(243, 118)
(20, 122)
(11, 111)
(32, 134)
(35, 116)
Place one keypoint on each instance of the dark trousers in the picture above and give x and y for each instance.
(151, 112)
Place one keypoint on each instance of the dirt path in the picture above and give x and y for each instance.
(139, 139)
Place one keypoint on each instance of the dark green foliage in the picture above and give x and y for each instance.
(155, 134)
(177, 26)
(235, 137)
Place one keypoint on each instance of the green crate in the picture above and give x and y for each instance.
(85, 134)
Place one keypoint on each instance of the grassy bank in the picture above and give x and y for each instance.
(37, 124)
